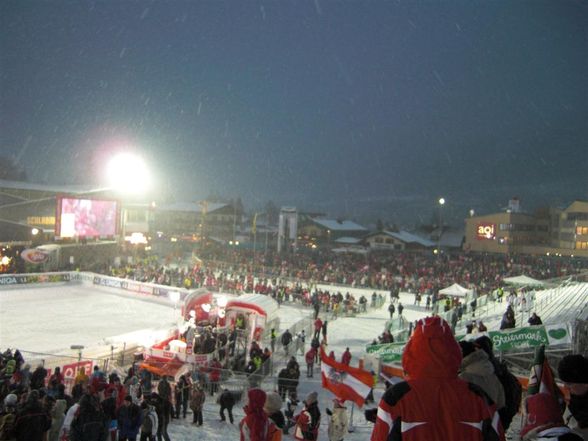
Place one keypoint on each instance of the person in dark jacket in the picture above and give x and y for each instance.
(272, 408)
(164, 411)
(286, 340)
(309, 420)
(109, 409)
(226, 401)
(535, 320)
(129, 420)
(182, 395)
(90, 423)
(32, 420)
(38, 378)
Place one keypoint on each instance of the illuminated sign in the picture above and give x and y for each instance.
(486, 231)
(34, 256)
(41, 220)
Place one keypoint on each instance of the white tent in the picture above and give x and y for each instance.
(455, 290)
(523, 281)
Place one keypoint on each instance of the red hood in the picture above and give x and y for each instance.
(256, 399)
(432, 351)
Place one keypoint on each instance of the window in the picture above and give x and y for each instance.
(581, 230)
(581, 245)
(577, 216)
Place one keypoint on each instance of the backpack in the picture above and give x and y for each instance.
(149, 424)
(513, 393)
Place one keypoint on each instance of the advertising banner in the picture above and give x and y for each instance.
(531, 336)
(34, 256)
(506, 340)
(104, 281)
(387, 352)
(70, 371)
(23, 279)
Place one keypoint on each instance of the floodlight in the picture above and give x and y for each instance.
(128, 173)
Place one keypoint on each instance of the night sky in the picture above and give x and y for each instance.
(353, 108)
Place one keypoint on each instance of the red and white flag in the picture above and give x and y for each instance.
(346, 382)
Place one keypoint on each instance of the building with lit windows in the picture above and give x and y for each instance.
(559, 231)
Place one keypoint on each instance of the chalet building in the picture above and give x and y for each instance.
(327, 231)
(397, 241)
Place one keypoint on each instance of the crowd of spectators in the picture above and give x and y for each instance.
(412, 272)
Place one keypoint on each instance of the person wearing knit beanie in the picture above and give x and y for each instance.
(311, 398)
(308, 421)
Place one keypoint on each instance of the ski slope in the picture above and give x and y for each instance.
(48, 319)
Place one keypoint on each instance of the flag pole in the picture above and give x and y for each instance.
(351, 429)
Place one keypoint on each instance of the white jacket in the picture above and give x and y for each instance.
(338, 424)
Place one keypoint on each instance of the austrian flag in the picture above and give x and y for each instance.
(346, 382)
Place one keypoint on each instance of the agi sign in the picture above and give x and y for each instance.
(486, 231)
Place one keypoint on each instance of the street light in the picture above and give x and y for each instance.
(78, 348)
(441, 203)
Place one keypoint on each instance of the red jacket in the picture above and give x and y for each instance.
(346, 358)
(318, 324)
(434, 404)
(310, 356)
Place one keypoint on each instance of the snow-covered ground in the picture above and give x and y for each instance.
(50, 318)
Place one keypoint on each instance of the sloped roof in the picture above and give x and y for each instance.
(192, 207)
(406, 237)
(452, 239)
(336, 225)
(348, 240)
(21, 185)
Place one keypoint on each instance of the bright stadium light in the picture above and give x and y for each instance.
(128, 173)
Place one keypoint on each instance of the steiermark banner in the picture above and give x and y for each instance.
(506, 340)
(387, 352)
(548, 335)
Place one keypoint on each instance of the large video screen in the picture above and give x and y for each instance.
(78, 217)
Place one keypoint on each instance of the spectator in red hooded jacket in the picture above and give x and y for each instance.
(433, 403)
(255, 425)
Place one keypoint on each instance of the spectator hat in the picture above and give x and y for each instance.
(573, 369)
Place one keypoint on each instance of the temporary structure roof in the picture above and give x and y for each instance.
(260, 303)
(523, 280)
(455, 290)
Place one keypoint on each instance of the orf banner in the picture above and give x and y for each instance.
(71, 370)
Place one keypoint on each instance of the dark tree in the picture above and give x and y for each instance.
(10, 171)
